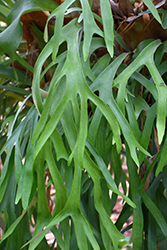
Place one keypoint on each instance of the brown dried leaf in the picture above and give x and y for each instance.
(125, 7)
(115, 9)
(146, 18)
(156, 139)
(135, 30)
(95, 5)
(143, 170)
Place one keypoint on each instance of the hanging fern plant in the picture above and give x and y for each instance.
(73, 115)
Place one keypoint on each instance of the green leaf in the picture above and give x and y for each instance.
(132, 117)
(107, 20)
(16, 222)
(11, 229)
(61, 195)
(144, 58)
(146, 133)
(9, 3)
(59, 13)
(161, 106)
(164, 18)
(6, 172)
(15, 89)
(138, 220)
(90, 27)
(156, 213)
(153, 10)
(28, 168)
(11, 37)
(140, 105)
(163, 158)
(4, 10)
(59, 146)
(107, 175)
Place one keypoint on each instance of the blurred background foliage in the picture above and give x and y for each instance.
(83, 114)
